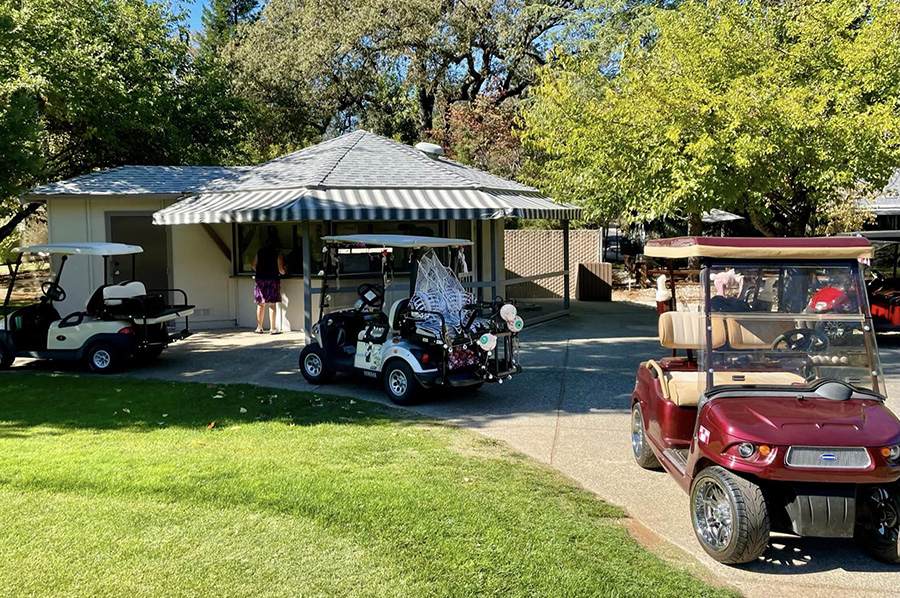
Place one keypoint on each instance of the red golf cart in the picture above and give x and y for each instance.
(768, 413)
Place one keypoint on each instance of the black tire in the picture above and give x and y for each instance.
(747, 537)
(7, 357)
(314, 365)
(877, 531)
(640, 446)
(103, 358)
(400, 384)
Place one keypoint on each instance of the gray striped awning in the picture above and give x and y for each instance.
(362, 204)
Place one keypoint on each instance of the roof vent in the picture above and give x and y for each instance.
(432, 150)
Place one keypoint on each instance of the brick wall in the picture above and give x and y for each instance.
(532, 252)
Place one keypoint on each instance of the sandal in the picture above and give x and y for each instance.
(258, 331)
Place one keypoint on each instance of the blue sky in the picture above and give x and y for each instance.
(194, 8)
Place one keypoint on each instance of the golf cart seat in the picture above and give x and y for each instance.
(684, 330)
(745, 334)
(395, 317)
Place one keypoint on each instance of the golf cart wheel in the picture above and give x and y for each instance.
(877, 531)
(7, 357)
(400, 384)
(313, 365)
(729, 516)
(640, 446)
(103, 358)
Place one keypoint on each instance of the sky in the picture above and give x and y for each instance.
(194, 8)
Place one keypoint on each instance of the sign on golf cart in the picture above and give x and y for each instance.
(773, 419)
(119, 320)
(437, 336)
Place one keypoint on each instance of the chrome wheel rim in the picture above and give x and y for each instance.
(398, 383)
(713, 515)
(101, 359)
(313, 365)
(637, 431)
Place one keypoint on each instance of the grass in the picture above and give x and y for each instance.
(119, 487)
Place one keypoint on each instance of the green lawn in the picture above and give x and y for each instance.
(118, 487)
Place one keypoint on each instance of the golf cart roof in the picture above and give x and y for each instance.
(396, 241)
(820, 248)
(879, 236)
(82, 249)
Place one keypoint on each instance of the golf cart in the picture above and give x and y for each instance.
(437, 336)
(883, 287)
(119, 320)
(769, 420)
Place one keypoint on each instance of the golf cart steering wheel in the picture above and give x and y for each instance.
(53, 291)
(801, 339)
(371, 295)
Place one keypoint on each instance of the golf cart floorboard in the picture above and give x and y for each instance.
(678, 457)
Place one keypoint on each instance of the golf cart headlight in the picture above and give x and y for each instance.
(315, 329)
(746, 450)
(891, 453)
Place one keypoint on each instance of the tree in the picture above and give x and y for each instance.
(328, 60)
(87, 84)
(771, 109)
(221, 19)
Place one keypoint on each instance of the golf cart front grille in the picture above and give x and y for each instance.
(827, 457)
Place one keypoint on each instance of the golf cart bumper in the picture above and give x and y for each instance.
(464, 377)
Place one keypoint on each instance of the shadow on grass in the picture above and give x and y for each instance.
(61, 401)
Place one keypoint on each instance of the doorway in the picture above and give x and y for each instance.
(152, 266)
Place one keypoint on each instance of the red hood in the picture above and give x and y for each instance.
(812, 421)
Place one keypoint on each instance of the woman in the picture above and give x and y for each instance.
(268, 263)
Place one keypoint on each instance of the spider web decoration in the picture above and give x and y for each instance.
(437, 289)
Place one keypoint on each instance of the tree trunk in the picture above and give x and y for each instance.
(17, 218)
(694, 229)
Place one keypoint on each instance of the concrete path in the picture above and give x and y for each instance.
(570, 409)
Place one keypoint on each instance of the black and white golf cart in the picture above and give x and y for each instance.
(438, 336)
(119, 320)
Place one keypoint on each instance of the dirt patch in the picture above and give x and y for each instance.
(670, 553)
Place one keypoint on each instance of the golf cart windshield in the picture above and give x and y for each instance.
(788, 324)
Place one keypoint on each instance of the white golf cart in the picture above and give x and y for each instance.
(119, 321)
(438, 336)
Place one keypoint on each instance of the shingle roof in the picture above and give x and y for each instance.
(361, 160)
(138, 180)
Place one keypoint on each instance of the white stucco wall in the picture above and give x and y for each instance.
(200, 268)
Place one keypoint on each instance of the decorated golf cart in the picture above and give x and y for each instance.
(438, 335)
(769, 413)
(119, 320)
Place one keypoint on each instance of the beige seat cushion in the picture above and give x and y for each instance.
(683, 387)
(113, 294)
(759, 334)
(687, 330)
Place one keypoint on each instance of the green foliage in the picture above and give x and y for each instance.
(333, 66)
(87, 84)
(118, 487)
(772, 109)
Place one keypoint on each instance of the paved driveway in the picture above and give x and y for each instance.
(570, 409)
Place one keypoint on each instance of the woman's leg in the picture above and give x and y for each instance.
(272, 309)
(260, 314)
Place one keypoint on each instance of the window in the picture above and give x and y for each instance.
(250, 237)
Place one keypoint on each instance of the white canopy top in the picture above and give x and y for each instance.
(397, 241)
(82, 249)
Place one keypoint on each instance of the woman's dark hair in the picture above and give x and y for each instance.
(272, 240)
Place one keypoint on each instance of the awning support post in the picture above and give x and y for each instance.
(307, 282)
(566, 276)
